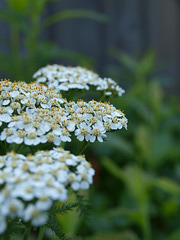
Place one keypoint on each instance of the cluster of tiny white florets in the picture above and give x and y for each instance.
(31, 114)
(61, 78)
(16, 97)
(93, 119)
(30, 185)
(88, 121)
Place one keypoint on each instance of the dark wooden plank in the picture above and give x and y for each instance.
(81, 35)
(164, 36)
(124, 28)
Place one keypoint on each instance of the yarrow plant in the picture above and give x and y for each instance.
(61, 78)
(87, 121)
(30, 184)
(33, 182)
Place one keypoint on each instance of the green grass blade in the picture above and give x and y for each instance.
(74, 13)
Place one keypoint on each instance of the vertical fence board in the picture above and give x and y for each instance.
(164, 25)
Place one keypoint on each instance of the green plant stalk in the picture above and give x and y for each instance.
(32, 37)
(41, 233)
(27, 231)
(16, 53)
(63, 144)
(74, 13)
(5, 149)
(33, 150)
(19, 147)
(146, 226)
(85, 144)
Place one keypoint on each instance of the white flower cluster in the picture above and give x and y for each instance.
(16, 97)
(31, 114)
(61, 78)
(88, 121)
(93, 119)
(29, 185)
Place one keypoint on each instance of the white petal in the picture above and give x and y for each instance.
(71, 126)
(100, 139)
(84, 185)
(80, 137)
(62, 176)
(92, 138)
(77, 132)
(5, 102)
(75, 186)
(3, 224)
(5, 117)
(57, 141)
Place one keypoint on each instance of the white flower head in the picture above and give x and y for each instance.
(16, 97)
(29, 185)
(61, 78)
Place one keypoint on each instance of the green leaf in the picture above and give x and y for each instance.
(83, 206)
(14, 227)
(70, 221)
(160, 148)
(54, 226)
(113, 169)
(130, 213)
(146, 64)
(14, 19)
(62, 209)
(170, 207)
(74, 13)
(129, 62)
(125, 235)
(168, 185)
(19, 5)
(120, 144)
(174, 236)
(137, 181)
(5, 63)
(54, 0)
(155, 95)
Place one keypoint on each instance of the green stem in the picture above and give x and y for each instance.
(4, 148)
(41, 233)
(19, 147)
(146, 224)
(33, 149)
(104, 98)
(63, 144)
(33, 36)
(16, 53)
(83, 148)
(27, 231)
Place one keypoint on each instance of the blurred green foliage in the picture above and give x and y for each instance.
(137, 184)
(25, 50)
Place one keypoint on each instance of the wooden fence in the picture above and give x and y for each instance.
(133, 26)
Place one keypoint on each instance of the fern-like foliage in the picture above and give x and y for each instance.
(55, 227)
(14, 227)
(53, 224)
(57, 209)
(83, 207)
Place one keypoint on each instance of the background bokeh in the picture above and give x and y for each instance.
(136, 192)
